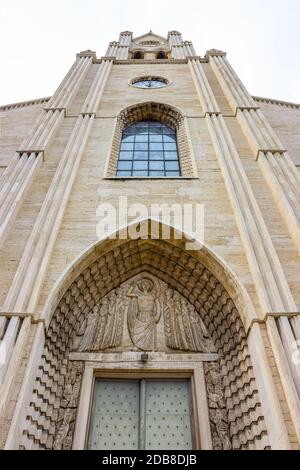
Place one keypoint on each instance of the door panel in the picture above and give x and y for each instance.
(168, 415)
(141, 414)
(115, 415)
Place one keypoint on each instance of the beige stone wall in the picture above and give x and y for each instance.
(89, 189)
(14, 127)
(286, 123)
(16, 242)
(78, 228)
(79, 224)
(284, 245)
(118, 94)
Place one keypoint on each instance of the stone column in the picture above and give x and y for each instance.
(271, 285)
(277, 167)
(25, 289)
(20, 173)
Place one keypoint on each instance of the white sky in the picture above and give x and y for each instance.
(39, 38)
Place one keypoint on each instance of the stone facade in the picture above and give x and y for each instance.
(75, 307)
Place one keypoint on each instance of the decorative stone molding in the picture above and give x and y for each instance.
(150, 61)
(284, 104)
(87, 53)
(259, 99)
(23, 104)
(191, 280)
(157, 112)
(215, 53)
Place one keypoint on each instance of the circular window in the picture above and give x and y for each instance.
(150, 82)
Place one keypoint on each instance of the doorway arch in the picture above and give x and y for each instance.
(201, 278)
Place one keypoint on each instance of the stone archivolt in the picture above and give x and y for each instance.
(183, 275)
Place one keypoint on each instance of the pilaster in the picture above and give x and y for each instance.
(178, 47)
(125, 41)
(277, 167)
(112, 49)
(25, 289)
(19, 175)
(271, 285)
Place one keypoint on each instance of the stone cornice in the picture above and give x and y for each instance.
(87, 53)
(149, 61)
(203, 60)
(23, 104)
(284, 104)
(215, 52)
(126, 33)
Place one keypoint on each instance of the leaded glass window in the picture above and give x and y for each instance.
(149, 149)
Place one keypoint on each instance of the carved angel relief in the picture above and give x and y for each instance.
(143, 314)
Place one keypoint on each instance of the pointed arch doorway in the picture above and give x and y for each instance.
(204, 345)
(146, 352)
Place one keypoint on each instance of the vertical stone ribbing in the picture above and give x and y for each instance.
(15, 190)
(124, 43)
(24, 290)
(189, 49)
(277, 167)
(27, 283)
(206, 97)
(93, 98)
(271, 285)
(20, 173)
(69, 87)
(176, 45)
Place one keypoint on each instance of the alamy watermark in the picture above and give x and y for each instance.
(157, 221)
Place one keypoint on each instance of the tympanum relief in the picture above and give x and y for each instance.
(144, 314)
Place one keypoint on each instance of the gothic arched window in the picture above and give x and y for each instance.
(151, 139)
(148, 149)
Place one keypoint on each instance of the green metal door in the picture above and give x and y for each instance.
(168, 415)
(141, 414)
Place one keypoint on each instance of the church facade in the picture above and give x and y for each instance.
(148, 335)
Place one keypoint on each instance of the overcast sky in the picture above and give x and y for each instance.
(39, 38)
